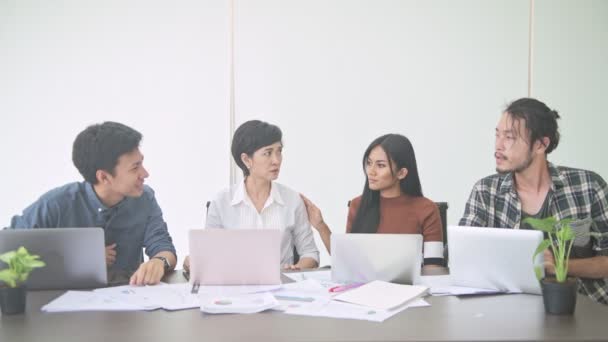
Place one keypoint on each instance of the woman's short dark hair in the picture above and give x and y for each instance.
(250, 137)
(540, 120)
(400, 154)
(99, 146)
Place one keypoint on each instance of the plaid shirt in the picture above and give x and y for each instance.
(574, 193)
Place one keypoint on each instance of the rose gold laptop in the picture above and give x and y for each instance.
(235, 256)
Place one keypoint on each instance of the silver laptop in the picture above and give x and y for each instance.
(74, 257)
(366, 257)
(494, 258)
(235, 256)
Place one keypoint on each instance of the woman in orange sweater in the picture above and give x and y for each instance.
(392, 200)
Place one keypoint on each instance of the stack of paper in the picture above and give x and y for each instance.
(335, 309)
(382, 295)
(463, 291)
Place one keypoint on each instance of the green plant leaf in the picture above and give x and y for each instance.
(565, 233)
(8, 256)
(542, 246)
(538, 270)
(546, 225)
(20, 264)
(36, 264)
(9, 277)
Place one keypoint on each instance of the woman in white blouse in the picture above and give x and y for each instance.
(258, 201)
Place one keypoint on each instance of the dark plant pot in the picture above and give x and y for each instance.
(559, 298)
(12, 300)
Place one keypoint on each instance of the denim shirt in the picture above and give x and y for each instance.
(133, 224)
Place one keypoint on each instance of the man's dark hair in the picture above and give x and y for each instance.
(250, 137)
(540, 120)
(99, 146)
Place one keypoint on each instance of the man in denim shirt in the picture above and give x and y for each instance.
(112, 196)
(527, 185)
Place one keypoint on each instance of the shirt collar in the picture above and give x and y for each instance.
(92, 197)
(240, 195)
(507, 183)
(557, 180)
(94, 200)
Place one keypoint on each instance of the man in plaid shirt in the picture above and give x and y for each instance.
(527, 185)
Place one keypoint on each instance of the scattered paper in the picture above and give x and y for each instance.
(322, 277)
(244, 304)
(235, 289)
(309, 285)
(151, 297)
(72, 301)
(307, 294)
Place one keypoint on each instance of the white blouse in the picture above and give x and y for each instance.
(284, 210)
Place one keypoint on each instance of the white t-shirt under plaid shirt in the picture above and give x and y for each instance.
(574, 193)
(284, 210)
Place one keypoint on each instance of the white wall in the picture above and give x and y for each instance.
(336, 75)
(570, 70)
(332, 74)
(158, 66)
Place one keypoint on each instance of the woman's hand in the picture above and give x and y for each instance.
(314, 214)
(187, 264)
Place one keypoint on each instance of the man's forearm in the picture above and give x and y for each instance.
(594, 267)
(171, 258)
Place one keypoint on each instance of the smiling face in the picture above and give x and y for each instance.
(381, 173)
(265, 163)
(129, 175)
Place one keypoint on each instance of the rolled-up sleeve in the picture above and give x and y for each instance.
(303, 238)
(156, 235)
(599, 215)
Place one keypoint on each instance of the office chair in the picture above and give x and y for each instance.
(443, 213)
(296, 256)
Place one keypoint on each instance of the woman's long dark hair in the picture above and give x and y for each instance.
(399, 151)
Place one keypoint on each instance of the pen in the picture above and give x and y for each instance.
(342, 288)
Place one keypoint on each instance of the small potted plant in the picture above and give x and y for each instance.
(12, 292)
(560, 291)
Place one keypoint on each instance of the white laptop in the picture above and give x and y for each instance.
(494, 258)
(74, 257)
(235, 256)
(362, 258)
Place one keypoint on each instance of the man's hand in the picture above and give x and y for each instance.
(148, 273)
(111, 254)
(549, 262)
